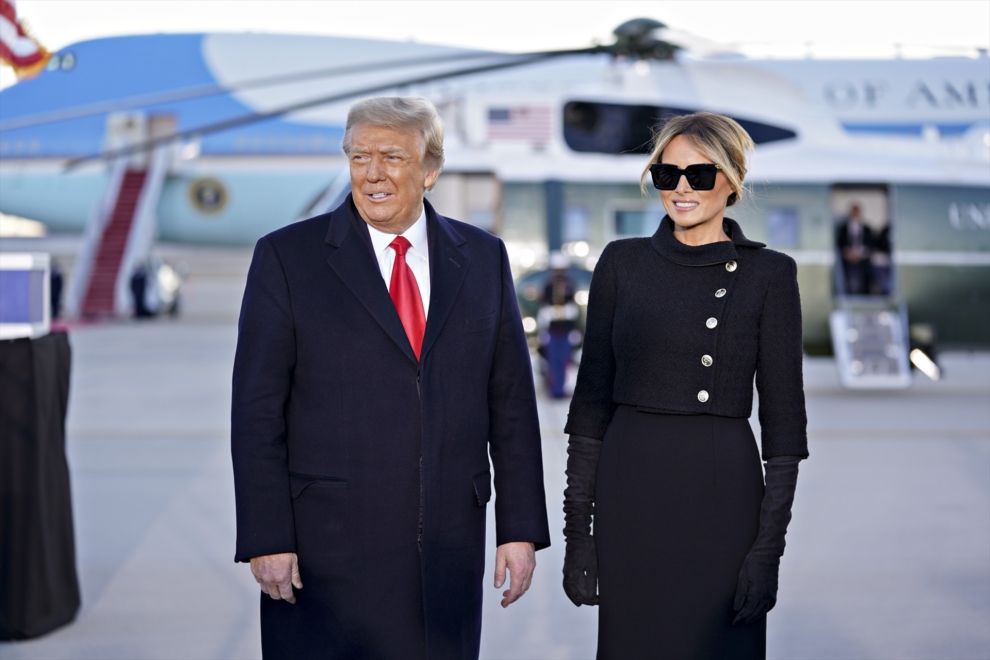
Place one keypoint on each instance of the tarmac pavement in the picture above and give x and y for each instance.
(888, 554)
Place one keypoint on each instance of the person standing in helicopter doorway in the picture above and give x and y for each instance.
(687, 538)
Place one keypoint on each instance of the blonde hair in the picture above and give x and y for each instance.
(721, 139)
(400, 112)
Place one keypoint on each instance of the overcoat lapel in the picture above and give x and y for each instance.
(448, 268)
(354, 263)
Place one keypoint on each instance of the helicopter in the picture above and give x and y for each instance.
(221, 138)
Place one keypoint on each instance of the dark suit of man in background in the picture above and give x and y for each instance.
(854, 239)
(362, 424)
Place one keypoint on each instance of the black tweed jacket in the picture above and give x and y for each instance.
(679, 329)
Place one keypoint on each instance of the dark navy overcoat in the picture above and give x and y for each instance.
(370, 465)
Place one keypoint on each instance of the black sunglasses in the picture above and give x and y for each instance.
(699, 177)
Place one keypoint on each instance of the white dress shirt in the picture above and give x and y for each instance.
(417, 256)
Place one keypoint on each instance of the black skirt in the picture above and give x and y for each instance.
(677, 510)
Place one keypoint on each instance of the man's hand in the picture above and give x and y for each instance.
(520, 559)
(277, 574)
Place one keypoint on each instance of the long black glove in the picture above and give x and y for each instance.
(756, 592)
(580, 558)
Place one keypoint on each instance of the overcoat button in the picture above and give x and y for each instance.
(711, 323)
(702, 396)
(706, 360)
(730, 266)
(720, 293)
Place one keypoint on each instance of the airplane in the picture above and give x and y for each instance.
(221, 138)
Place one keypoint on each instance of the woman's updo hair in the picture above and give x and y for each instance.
(722, 140)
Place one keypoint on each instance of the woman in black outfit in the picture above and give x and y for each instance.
(687, 538)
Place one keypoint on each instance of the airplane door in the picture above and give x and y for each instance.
(162, 125)
(125, 129)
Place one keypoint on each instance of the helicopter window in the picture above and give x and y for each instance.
(613, 128)
(783, 228)
(631, 223)
(763, 133)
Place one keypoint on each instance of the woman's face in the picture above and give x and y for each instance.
(691, 208)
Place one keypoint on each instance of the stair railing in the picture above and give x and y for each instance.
(332, 196)
(92, 236)
(144, 226)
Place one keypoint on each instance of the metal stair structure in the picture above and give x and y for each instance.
(871, 348)
(100, 298)
(869, 338)
(119, 235)
(332, 197)
(123, 224)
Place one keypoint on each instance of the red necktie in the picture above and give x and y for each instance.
(405, 295)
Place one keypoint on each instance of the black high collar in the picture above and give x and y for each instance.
(709, 254)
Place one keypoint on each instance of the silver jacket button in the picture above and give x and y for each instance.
(711, 323)
(730, 266)
(702, 396)
(720, 293)
(706, 360)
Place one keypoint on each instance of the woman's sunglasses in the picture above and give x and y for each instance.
(699, 177)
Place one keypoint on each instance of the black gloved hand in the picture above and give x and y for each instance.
(581, 571)
(756, 591)
(580, 557)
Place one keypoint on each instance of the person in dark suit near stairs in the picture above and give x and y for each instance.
(380, 360)
(854, 239)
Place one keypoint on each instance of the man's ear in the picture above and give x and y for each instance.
(431, 178)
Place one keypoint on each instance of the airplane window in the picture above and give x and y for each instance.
(614, 128)
(64, 62)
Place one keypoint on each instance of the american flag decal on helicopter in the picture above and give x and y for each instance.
(523, 123)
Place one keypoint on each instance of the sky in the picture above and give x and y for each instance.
(794, 28)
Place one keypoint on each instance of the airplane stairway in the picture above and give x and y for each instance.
(871, 347)
(100, 293)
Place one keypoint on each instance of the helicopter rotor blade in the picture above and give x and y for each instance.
(255, 117)
(641, 37)
(202, 91)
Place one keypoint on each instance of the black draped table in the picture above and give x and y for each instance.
(39, 590)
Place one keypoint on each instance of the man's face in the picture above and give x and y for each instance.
(388, 176)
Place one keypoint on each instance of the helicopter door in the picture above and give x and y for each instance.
(862, 241)
(869, 331)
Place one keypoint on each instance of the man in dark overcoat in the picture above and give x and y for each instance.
(380, 361)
